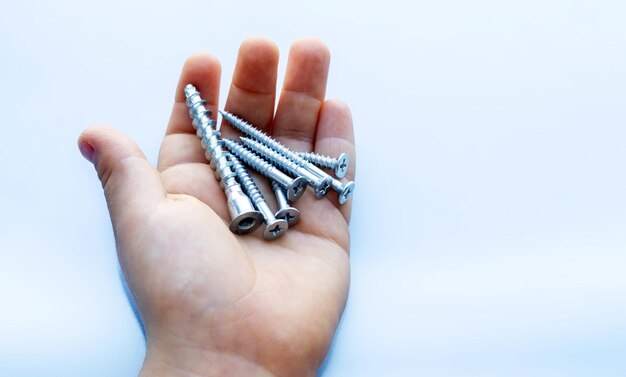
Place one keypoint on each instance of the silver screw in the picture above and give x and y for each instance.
(244, 218)
(295, 186)
(319, 184)
(272, 143)
(339, 165)
(274, 227)
(285, 211)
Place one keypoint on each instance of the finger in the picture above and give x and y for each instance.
(132, 186)
(335, 135)
(252, 91)
(302, 94)
(203, 71)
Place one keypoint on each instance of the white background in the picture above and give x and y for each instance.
(489, 227)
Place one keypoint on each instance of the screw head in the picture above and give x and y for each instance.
(346, 193)
(246, 222)
(322, 189)
(296, 189)
(342, 166)
(275, 229)
(289, 214)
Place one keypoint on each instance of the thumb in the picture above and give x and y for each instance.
(132, 186)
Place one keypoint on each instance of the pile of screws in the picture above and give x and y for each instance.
(289, 172)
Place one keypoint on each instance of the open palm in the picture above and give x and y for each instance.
(214, 303)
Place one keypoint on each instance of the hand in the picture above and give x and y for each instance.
(214, 303)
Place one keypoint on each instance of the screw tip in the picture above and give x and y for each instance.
(190, 90)
(230, 118)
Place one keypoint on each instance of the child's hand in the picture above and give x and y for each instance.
(214, 303)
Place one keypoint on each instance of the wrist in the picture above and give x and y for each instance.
(198, 363)
(193, 362)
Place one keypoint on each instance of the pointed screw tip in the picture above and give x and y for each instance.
(190, 89)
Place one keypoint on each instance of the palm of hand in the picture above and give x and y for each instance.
(274, 303)
(204, 293)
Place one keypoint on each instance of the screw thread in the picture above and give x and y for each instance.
(262, 137)
(278, 159)
(210, 138)
(249, 157)
(304, 167)
(320, 160)
(246, 180)
(319, 183)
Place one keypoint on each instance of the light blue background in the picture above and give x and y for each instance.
(489, 227)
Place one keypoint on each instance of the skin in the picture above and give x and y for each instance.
(214, 303)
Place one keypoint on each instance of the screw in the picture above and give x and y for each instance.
(319, 184)
(295, 186)
(274, 227)
(244, 218)
(285, 211)
(339, 165)
(273, 144)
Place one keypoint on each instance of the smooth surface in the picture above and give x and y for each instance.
(489, 226)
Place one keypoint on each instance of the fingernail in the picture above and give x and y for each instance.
(87, 151)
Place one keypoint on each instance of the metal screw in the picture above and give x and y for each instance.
(285, 211)
(244, 218)
(319, 184)
(274, 227)
(339, 165)
(295, 186)
(273, 144)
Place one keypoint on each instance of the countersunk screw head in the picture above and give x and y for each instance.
(342, 165)
(275, 229)
(289, 214)
(346, 193)
(296, 189)
(246, 222)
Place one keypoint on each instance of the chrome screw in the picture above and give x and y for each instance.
(319, 184)
(274, 227)
(244, 218)
(295, 186)
(272, 143)
(339, 165)
(285, 211)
